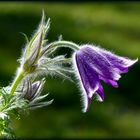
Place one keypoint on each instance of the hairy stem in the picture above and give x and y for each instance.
(16, 82)
(60, 44)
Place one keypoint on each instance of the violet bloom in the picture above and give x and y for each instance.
(94, 64)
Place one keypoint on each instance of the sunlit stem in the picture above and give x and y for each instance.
(63, 44)
(16, 82)
(60, 43)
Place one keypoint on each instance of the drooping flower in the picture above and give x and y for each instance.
(93, 64)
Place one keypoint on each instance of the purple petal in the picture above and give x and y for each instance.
(88, 79)
(99, 62)
(100, 93)
(121, 64)
(110, 82)
(94, 64)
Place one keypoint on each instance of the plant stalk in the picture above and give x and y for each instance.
(60, 44)
(16, 82)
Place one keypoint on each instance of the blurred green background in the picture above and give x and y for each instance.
(114, 26)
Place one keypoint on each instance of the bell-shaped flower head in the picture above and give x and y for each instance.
(93, 64)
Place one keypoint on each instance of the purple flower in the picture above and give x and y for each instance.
(93, 64)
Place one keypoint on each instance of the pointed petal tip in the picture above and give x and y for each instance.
(113, 83)
(100, 99)
(136, 60)
(130, 62)
(86, 101)
(93, 91)
(85, 104)
(86, 107)
(99, 96)
(84, 110)
(117, 76)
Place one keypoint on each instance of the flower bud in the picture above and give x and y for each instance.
(31, 91)
(32, 52)
(30, 63)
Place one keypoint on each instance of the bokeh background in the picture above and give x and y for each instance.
(114, 26)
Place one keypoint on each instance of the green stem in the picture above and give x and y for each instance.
(64, 44)
(60, 44)
(17, 80)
